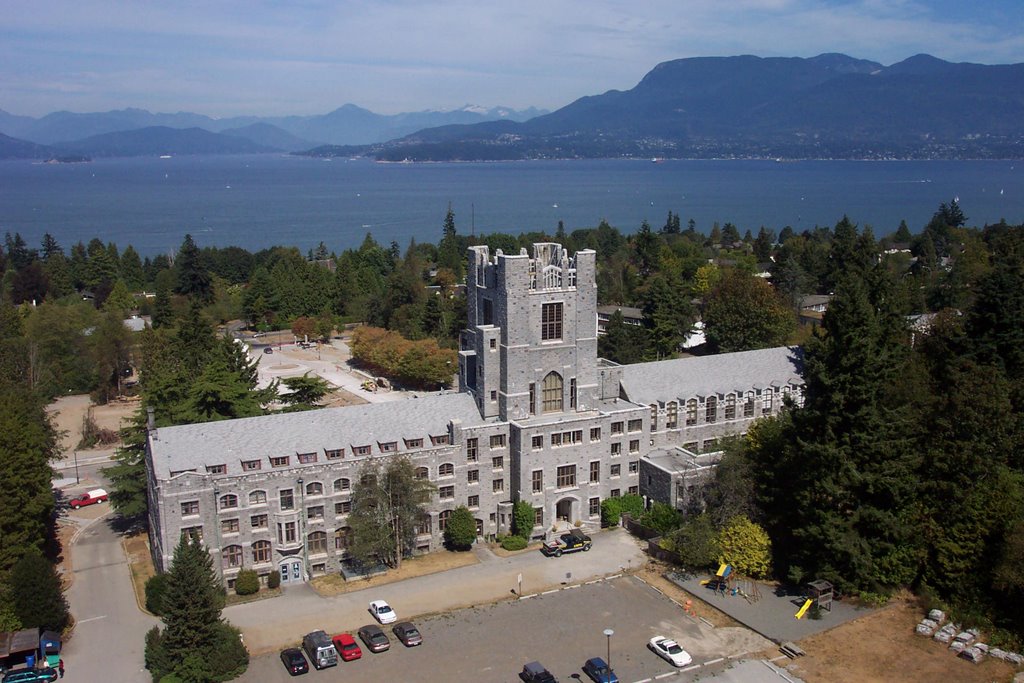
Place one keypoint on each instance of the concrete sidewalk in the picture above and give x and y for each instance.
(275, 623)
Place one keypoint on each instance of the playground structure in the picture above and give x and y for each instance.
(819, 593)
(728, 582)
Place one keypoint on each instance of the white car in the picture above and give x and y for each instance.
(670, 651)
(382, 612)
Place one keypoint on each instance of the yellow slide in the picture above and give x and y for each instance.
(803, 610)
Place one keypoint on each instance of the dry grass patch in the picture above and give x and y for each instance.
(140, 562)
(654, 573)
(882, 647)
(421, 565)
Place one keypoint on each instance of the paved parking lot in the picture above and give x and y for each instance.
(561, 630)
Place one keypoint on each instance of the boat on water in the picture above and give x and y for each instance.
(165, 156)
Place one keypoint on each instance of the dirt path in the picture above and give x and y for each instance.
(68, 414)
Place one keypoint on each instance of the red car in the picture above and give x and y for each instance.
(347, 647)
(88, 498)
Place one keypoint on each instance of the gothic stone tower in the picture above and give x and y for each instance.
(530, 346)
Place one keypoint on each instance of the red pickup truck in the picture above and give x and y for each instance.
(88, 498)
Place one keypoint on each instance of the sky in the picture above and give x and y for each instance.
(279, 57)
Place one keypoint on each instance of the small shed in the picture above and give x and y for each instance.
(16, 647)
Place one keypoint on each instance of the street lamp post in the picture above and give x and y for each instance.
(78, 480)
(608, 634)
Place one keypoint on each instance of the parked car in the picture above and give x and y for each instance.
(571, 542)
(294, 662)
(599, 671)
(347, 647)
(320, 649)
(670, 651)
(407, 633)
(268, 350)
(30, 675)
(374, 638)
(88, 498)
(382, 612)
(534, 672)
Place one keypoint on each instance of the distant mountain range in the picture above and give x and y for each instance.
(829, 106)
(348, 125)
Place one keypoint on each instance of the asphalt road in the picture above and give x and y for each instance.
(561, 630)
(108, 640)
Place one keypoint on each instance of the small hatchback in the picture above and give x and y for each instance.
(294, 661)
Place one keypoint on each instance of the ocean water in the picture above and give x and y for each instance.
(264, 200)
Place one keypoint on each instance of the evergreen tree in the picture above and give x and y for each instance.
(29, 284)
(450, 253)
(846, 471)
(902, 234)
(194, 340)
(58, 276)
(78, 266)
(28, 443)
(100, 271)
(119, 301)
(622, 343)
(257, 297)
(764, 244)
(19, 256)
(37, 593)
(50, 247)
(163, 313)
(131, 269)
(305, 391)
(129, 492)
(668, 316)
(460, 531)
(193, 278)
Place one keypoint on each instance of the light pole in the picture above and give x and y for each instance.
(608, 634)
(78, 479)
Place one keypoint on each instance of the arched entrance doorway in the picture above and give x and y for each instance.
(291, 571)
(566, 510)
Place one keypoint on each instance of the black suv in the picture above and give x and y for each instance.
(567, 543)
(534, 672)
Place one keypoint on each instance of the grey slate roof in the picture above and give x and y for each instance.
(683, 378)
(229, 442)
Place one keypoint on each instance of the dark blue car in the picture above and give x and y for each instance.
(599, 671)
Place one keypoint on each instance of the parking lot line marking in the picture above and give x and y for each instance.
(695, 666)
(524, 597)
(102, 616)
(643, 680)
(551, 591)
(714, 661)
(660, 676)
(571, 587)
(613, 576)
(594, 581)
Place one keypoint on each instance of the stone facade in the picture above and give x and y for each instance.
(538, 417)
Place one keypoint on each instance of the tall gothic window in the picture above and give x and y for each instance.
(552, 395)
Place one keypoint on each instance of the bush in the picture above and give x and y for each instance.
(155, 588)
(247, 582)
(746, 546)
(695, 542)
(513, 543)
(460, 532)
(612, 508)
(523, 517)
(662, 518)
(274, 579)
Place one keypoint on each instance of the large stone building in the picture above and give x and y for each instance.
(538, 417)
